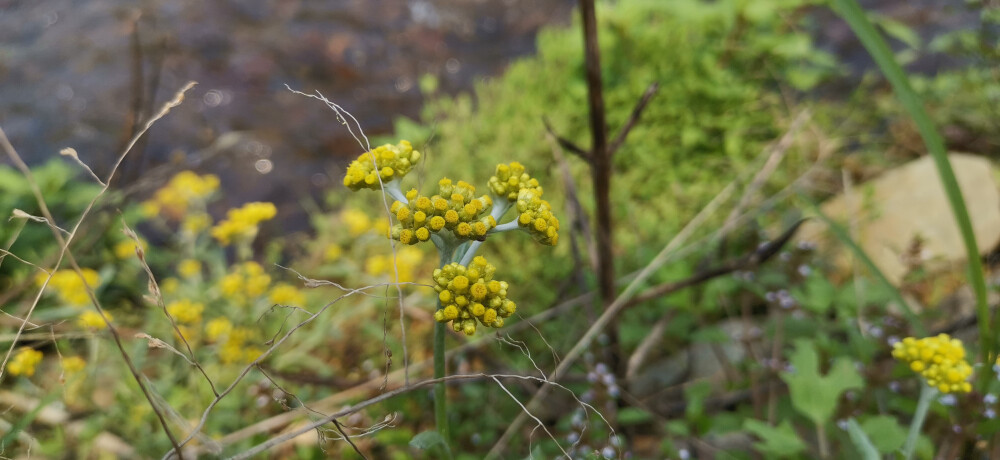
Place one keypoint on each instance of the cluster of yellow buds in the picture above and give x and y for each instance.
(939, 359)
(470, 294)
(24, 362)
(535, 215)
(386, 162)
(510, 179)
(180, 192)
(454, 208)
(241, 223)
(69, 286)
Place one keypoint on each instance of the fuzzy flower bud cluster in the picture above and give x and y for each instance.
(455, 208)
(510, 179)
(387, 162)
(939, 359)
(535, 216)
(470, 295)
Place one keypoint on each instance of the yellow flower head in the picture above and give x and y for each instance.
(24, 362)
(286, 294)
(70, 287)
(510, 179)
(332, 252)
(125, 249)
(939, 359)
(189, 268)
(73, 364)
(383, 164)
(91, 319)
(241, 223)
(183, 190)
(407, 260)
(218, 328)
(186, 311)
(357, 221)
(470, 294)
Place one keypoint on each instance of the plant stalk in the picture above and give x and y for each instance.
(927, 395)
(440, 403)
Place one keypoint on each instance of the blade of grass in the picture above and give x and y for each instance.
(841, 233)
(26, 420)
(879, 50)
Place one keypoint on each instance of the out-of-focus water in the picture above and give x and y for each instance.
(74, 73)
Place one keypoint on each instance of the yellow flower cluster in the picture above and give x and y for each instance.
(189, 268)
(73, 364)
(357, 221)
(183, 189)
(387, 162)
(407, 262)
(286, 294)
(24, 362)
(125, 249)
(241, 223)
(510, 179)
(454, 208)
(469, 294)
(939, 359)
(91, 319)
(185, 311)
(218, 328)
(235, 350)
(246, 281)
(69, 286)
(536, 216)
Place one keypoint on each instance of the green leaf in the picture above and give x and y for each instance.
(813, 394)
(779, 441)
(820, 294)
(633, 416)
(861, 441)
(428, 440)
(885, 433)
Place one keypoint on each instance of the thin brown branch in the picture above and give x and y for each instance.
(568, 144)
(633, 118)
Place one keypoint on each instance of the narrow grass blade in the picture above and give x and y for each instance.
(879, 50)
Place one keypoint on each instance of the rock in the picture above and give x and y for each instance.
(906, 204)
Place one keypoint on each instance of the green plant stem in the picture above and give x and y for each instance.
(824, 449)
(927, 395)
(880, 51)
(440, 403)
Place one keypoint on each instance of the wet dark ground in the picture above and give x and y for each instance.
(82, 74)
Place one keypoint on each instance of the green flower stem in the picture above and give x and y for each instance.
(470, 252)
(512, 225)
(392, 188)
(440, 403)
(927, 395)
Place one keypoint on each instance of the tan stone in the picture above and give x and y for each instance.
(887, 214)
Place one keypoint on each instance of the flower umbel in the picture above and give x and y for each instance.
(387, 162)
(470, 294)
(455, 208)
(939, 359)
